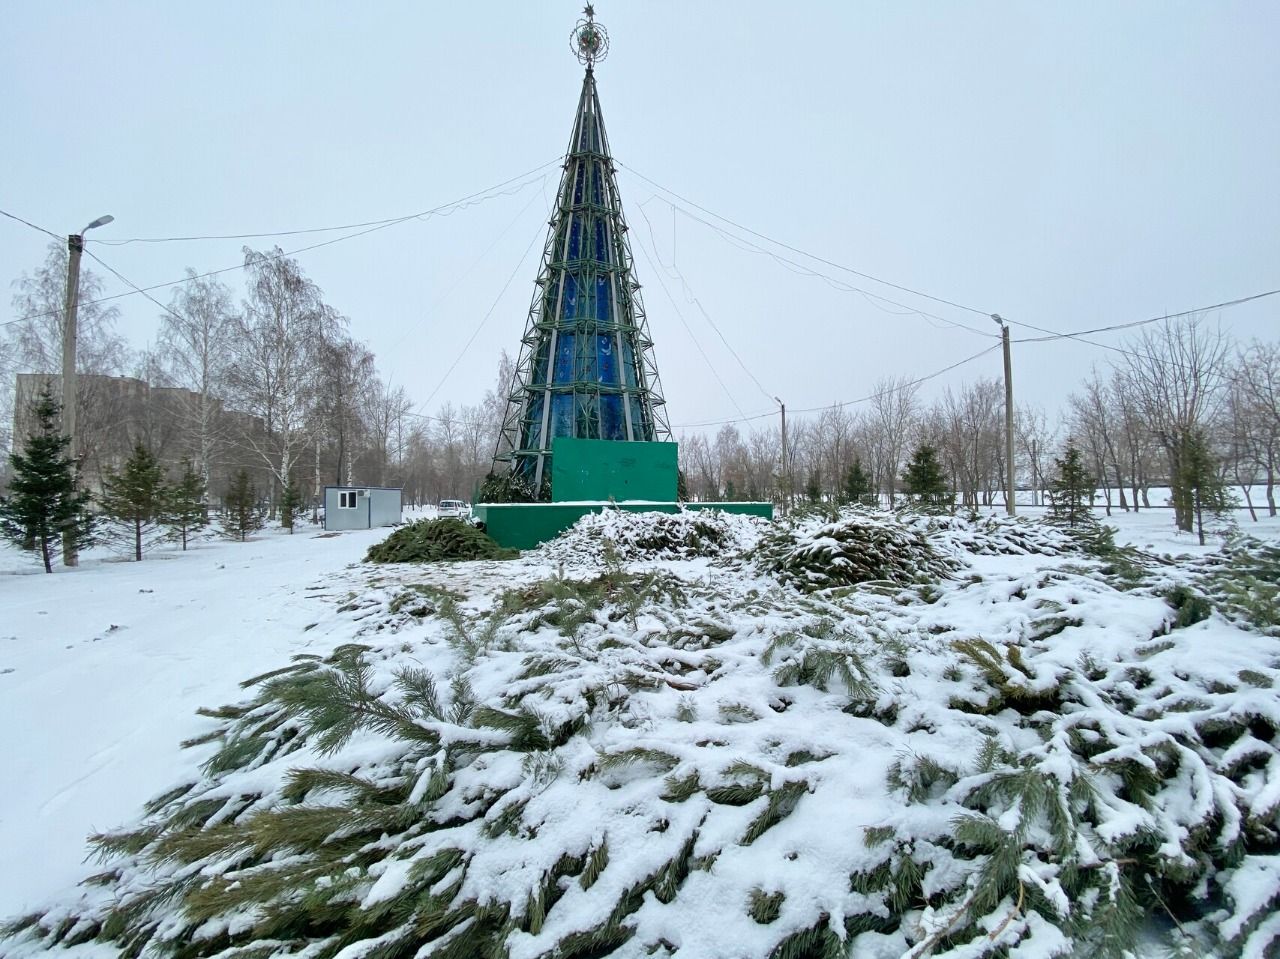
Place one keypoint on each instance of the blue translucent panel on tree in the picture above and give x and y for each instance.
(613, 424)
(565, 349)
(604, 301)
(602, 252)
(587, 425)
(590, 135)
(569, 309)
(562, 414)
(578, 176)
(638, 423)
(533, 424)
(575, 239)
(608, 360)
(539, 374)
(586, 363)
(597, 178)
(629, 363)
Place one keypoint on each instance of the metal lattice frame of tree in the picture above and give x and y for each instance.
(586, 367)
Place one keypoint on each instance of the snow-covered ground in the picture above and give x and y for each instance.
(103, 668)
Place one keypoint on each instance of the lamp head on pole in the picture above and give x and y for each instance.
(998, 318)
(100, 221)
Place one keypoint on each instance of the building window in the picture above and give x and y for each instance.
(347, 499)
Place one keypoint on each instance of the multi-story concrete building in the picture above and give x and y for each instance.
(114, 413)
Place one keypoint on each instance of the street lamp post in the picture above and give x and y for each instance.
(75, 246)
(786, 479)
(1009, 504)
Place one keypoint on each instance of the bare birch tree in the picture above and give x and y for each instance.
(40, 302)
(701, 466)
(1176, 377)
(1093, 415)
(386, 415)
(195, 346)
(1256, 394)
(972, 423)
(35, 345)
(891, 423)
(1035, 442)
(274, 376)
(346, 382)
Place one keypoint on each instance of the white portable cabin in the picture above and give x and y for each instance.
(361, 507)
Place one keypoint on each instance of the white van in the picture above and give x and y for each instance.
(453, 507)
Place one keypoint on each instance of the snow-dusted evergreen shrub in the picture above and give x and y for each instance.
(859, 546)
(632, 537)
(1012, 764)
(436, 540)
(990, 535)
(1244, 583)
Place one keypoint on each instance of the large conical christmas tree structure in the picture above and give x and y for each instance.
(586, 367)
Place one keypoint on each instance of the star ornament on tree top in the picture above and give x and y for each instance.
(589, 40)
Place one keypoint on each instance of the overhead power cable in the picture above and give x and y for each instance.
(493, 306)
(675, 274)
(685, 323)
(1128, 326)
(461, 276)
(902, 386)
(389, 221)
(466, 202)
(793, 266)
(129, 283)
(863, 399)
(793, 249)
(30, 224)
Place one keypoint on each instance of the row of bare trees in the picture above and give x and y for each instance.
(966, 426)
(271, 381)
(1172, 387)
(274, 381)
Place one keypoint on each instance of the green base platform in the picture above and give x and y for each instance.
(525, 525)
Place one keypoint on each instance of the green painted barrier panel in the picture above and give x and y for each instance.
(601, 470)
(525, 525)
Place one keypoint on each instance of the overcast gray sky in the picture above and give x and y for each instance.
(1067, 165)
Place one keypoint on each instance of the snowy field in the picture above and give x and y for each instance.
(102, 670)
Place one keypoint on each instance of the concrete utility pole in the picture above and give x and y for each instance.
(1009, 490)
(75, 246)
(786, 482)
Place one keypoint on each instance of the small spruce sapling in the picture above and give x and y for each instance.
(290, 504)
(1205, 486)
(1071, 491)
(813, 488)
(134, 500)
(243, 514)
(924, 482)
(44, 508)
(857, 485)
(185, 511)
